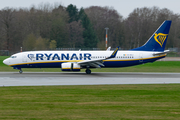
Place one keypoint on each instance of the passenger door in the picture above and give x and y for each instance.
(140, 57)
(24, 57)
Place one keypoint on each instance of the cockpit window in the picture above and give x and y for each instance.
(13, 56)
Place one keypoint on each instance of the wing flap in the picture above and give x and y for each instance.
(94, 65)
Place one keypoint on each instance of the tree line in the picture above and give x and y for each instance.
(49, 27)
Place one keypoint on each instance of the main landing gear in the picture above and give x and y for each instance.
(88, 71)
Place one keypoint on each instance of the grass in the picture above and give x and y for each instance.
(158, 66)
(1, 60)
(101, 102)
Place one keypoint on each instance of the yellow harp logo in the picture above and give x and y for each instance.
(160, 38)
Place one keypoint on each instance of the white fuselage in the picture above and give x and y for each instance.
(53, 59)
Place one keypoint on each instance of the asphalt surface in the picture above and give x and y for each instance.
(170, 59)
(78, 78)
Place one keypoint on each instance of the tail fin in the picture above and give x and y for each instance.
(157, 41)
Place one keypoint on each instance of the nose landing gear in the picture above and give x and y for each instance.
(20, 71)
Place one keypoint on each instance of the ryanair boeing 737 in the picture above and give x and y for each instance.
(151, 51)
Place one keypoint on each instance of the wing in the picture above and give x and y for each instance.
(98, 62)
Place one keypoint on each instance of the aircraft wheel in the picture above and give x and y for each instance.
(20, 71)
(88, 71)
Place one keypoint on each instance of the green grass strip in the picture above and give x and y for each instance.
(100, 102)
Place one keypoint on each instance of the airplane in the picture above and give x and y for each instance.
(151, 51)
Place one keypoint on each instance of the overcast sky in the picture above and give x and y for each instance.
(124, 7)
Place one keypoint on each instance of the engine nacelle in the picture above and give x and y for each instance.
(70, 67)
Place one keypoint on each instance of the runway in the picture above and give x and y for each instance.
(61, 78)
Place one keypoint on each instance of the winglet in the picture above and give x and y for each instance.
(109, 48)
(113, 55)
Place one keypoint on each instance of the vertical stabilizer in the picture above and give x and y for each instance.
(157, 41)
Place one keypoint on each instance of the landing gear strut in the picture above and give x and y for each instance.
(88, 71)
(20, 71)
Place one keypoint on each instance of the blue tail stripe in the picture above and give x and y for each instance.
(157, 41)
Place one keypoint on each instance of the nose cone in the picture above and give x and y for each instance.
(6, 61)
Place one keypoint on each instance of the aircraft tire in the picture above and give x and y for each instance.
(88, 71)
(20, 71)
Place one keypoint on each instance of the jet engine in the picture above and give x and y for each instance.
(70, 67)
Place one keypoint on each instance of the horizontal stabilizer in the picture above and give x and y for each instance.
(161, 53)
